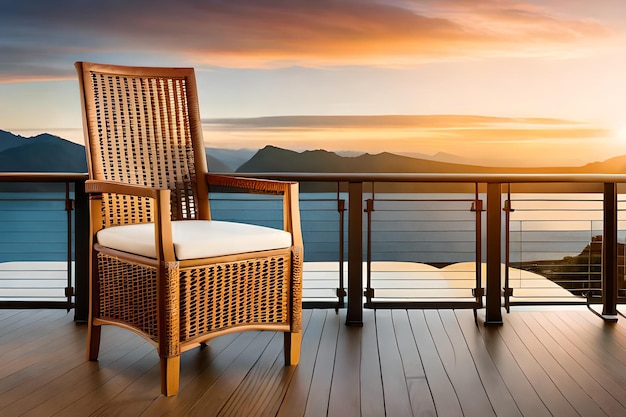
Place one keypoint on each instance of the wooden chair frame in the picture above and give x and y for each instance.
(176, 305)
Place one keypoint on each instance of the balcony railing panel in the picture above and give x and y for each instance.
(413, 240)
(38, 239)
(473, 242)
(35, 247)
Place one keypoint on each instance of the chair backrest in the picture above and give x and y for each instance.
(142, 126)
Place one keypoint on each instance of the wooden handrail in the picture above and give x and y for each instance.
(42, 177)
(439, 177)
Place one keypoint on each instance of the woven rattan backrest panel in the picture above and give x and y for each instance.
(143, 137)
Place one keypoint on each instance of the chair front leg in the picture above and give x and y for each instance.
(293, 342)
(93, 331)
(170, 375)
(93, 341)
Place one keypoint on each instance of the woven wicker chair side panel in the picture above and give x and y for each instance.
(145, 138)
(226, 295)
(128, 293)
(297, 257)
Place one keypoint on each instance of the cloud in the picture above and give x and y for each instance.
(387, 121)
(462, 128)
(39, 38)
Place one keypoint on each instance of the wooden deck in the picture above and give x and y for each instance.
(541, 362)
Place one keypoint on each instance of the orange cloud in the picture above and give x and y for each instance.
(429, 122)
(376, 34)
(280, 33)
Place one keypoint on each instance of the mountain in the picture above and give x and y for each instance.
(227, 160)
(215, 165)
(43, 153)
(49, 153)
(615, 165)
(9, 140)
(273, 159)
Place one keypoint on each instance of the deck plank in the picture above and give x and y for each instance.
(137, 399)
(371, 384)
(591, 378)
(459, 364)
(401, 362)
(612, 337)
(126, 370)
(443, 393)
(249, 398)
(396, 394)
(319, 393)
(585, 342)
(496, 389)
(420, 397)
(83, 378)
(541, 381)
(554, 361)
(345, 400)
(213, 399)
(206, 365)
(294, 402)
(524, 394)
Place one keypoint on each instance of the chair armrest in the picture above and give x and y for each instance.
(289, 190)
(252, 184)
(113, 187)
(162, 220)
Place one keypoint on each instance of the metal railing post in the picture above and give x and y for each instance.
(69, 207)
(609, 253)
(341, 291)
(493, 313)
(508, 209)
(369, 291)
(354, 315)
(479, 290)
(81, 250)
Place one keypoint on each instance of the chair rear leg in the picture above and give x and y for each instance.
(170, 375)
(293, 341)
(93, 341)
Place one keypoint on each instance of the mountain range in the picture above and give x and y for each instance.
(273, 159)
(48, 153)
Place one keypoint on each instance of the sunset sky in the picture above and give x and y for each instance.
(500, 82)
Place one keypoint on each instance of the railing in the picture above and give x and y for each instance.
(423, 250)
(559, 237)
(43, 230)
(497, 229)
(455, 232)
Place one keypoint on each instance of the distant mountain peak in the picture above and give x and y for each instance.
(41, 153)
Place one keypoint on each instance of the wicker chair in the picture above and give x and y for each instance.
(159, 265)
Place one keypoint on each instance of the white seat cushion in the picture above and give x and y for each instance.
(194, 239)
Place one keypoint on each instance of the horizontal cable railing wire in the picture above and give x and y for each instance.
(422, 248)
(36, 243)
(555, 247)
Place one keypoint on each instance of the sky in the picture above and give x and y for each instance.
(494, 82)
